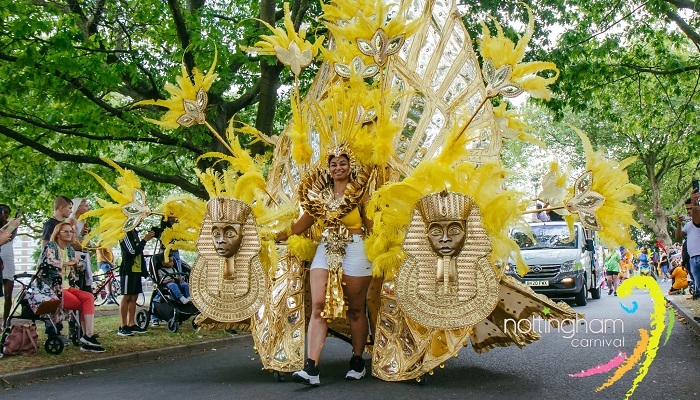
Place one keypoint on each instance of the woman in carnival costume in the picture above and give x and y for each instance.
(337, 201)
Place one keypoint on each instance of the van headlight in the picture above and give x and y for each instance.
(567, 266)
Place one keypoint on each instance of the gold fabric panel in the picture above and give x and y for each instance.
(279, 325)
(439, 67)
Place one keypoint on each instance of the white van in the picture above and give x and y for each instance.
(560, 267)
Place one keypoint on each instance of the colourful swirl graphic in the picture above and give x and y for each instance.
(671, 322)
(602, 368)
(648, 344)
(628, 310)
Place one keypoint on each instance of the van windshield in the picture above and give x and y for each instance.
(545, 237)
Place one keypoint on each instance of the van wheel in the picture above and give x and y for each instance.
(581, 295)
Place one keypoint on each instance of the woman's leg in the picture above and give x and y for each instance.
(355, 290)
(88, 324)
(318, 326)
(87, 310)
(70, 302)
(8, 285)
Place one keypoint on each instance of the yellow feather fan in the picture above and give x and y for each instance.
(189, 211)
(610, 180)
(290, 47)
(501, 52)
(354, 20)
(117, 218)
(186, 89)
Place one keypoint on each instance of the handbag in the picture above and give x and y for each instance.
(41, 299)
(22, 339)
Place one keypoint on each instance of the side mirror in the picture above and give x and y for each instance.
(589, 245)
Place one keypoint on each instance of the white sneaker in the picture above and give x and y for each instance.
(184, 300)
(357, 368)
(352, 374)
(303, 377)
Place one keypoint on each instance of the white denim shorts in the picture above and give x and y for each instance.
(355, 262)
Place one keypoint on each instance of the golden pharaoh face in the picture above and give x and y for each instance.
(445, 215)
(447, 280)
(447, 237)
(227, 217)
(228, 289)
(227, 238)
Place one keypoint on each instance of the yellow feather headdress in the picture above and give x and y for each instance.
(188, 99)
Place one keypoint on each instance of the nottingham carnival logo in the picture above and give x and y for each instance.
(610, 333)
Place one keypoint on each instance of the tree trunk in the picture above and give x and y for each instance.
(269, 82)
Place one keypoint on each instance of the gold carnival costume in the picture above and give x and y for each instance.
(401, 89)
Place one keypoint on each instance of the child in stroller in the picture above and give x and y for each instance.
(170, 298)
(167, 275)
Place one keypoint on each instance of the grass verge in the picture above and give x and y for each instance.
(106, 326)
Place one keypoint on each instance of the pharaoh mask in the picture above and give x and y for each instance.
(228, 282)
(447, 280)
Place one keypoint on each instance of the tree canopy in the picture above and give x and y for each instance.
(71, 71)
(629, 78)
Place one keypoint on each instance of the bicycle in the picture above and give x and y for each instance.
(100, 289)
(102, 294)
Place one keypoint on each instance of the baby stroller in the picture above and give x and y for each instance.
(163, 305)
(53, 344)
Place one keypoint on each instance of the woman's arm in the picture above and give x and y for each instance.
(298, 227)
(362, 207)
(9, 231)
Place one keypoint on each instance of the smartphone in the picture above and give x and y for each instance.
(696, 185)
(18, 213)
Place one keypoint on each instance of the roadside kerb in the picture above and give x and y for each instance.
(19, 377)
(685, 313)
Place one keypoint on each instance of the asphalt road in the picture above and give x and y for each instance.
(540, 370)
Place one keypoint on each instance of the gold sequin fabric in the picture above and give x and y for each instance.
(279, 323)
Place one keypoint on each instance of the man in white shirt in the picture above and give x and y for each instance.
(7, 254)
(691, 231)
